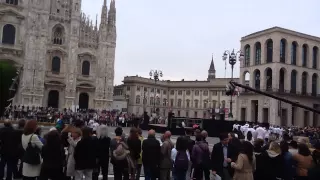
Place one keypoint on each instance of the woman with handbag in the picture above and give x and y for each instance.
(32, 146)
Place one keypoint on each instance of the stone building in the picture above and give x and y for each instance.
(285, 63)
(66, 59)
(195, 99)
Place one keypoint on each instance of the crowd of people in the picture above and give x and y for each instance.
(79, 151)
(52, 115)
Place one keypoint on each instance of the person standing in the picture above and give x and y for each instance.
(85, 155)
(245, 164)
(134, 145)
(31, 171)
(151, 153)
(53, 157)
(139, 162)
(9, 150)
(166, 163)
(103, 150)
(222, 155)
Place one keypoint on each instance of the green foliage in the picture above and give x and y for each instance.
(7, 73)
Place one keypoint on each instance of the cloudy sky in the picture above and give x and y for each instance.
(180, 36)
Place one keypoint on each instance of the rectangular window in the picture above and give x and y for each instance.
(128, 88)
(171, 102)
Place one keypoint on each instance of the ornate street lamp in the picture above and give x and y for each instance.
(155, 74)
(232, 61)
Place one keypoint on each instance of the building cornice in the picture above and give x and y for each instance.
(281, 30)
(215, 83)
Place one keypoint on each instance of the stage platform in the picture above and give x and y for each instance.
(162, 128)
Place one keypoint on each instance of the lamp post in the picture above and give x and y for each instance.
(232, 61)
(144, 97)
(155, 74)
(165, 104)
(127, 99)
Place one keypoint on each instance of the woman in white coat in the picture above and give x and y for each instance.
(29, 171)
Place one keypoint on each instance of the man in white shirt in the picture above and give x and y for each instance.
(260, 133)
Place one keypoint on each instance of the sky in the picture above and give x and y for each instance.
(179, 37)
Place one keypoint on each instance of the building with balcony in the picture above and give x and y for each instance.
(194, 99)
(285, 63)
(66, 59)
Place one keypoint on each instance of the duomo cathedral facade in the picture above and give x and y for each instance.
(65, 59)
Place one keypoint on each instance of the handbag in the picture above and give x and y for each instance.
(32, 154)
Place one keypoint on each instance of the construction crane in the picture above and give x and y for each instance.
(235, 84)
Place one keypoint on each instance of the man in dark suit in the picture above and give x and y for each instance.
(151, 153)
(222, 155)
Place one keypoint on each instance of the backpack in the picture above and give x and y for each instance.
(181, 162)
(121, 152)
(32, 154)
(205, 159)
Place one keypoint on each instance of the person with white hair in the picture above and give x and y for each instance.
(103, 150)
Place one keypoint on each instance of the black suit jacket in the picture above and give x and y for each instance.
(217, 158)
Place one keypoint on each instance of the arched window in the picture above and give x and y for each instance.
(138, 99)
(13, 2)
(314, 84)
(58, 35)
(314, 57)
(283, 51)
(188, 103)
(151, 101)
(257, 79)
(269, 79)
(294, 53)
(247, 56)
(8, 34)
(258, 53)
(223, 104)
(205, 103)
(55, 64)
(293, 88)
(179, 102)
(269, 50)
(85, 68)
(304, 83)
(158, 101)
(196, 103)
(281, 80)
(214, 104)
(304, 55)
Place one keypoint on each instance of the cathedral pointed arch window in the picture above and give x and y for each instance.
(8, 34)
(58, 35)
(13, 2)
(247, 56)
(257, 53)
(304, 55)
(85, 68)
(269, 51)
(55, 64)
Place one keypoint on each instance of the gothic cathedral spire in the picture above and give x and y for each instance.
(211, 71)
(104, 14)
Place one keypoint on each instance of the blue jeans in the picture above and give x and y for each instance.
(149, 173)
(180, 174)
